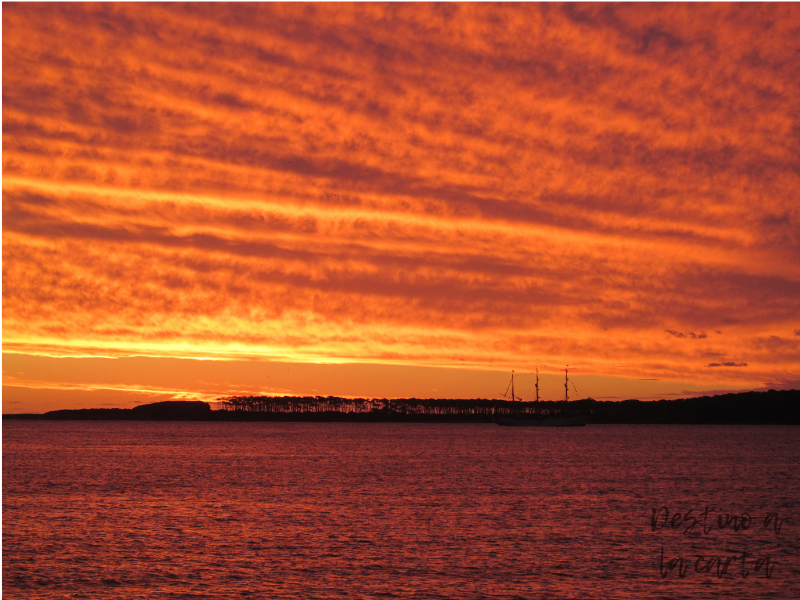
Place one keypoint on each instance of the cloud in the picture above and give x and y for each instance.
(412, 184)
(728, 364)
(687, 334)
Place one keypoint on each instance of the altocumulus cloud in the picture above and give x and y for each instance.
(470, 184)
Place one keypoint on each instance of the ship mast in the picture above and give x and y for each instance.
(537, 385)
(566, 384)
(512, 386)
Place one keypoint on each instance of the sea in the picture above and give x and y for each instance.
(95, 509)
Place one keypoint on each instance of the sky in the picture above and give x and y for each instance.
(398, 200)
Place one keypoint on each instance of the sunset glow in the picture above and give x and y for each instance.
(403, 186)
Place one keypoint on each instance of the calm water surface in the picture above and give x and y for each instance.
(340, 510)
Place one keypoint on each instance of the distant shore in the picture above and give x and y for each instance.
(757, 408)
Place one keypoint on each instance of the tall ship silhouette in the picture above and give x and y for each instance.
(561, 419)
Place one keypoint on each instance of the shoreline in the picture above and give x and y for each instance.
(747, 408)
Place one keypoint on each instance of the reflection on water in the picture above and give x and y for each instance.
(335, 510)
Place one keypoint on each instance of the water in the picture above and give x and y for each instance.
(345, 510)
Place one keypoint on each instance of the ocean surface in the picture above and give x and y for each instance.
(382, 510)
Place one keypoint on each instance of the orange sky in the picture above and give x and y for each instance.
(404, 199)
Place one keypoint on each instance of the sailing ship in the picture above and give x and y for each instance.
(539, 420)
